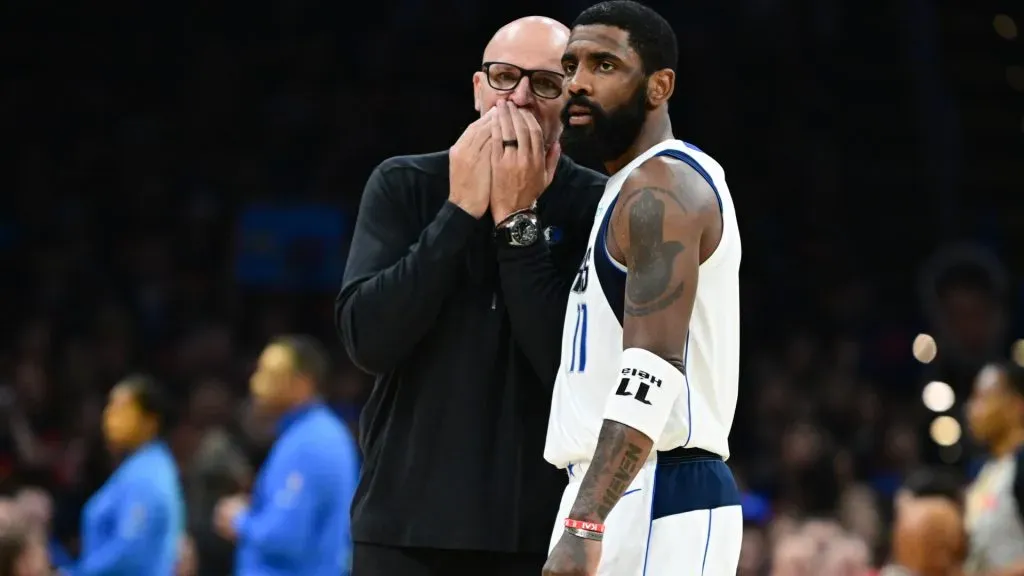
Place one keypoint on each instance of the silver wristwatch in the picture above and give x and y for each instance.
(520, 229)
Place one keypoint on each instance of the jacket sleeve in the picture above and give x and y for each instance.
(282, 528)
(128, 549)
(397, 276)
(536, 293)
(536, 285)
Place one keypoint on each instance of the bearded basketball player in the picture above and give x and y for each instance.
(645, 397)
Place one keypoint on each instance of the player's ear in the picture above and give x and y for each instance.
(660, 86)
(478, 79)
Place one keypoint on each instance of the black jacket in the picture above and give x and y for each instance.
(464, 338)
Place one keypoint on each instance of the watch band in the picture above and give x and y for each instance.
(519, 230)
(508, 219)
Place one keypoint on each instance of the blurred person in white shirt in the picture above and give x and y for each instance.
(795, 555)
(846, 557)
(22, 548)
(36, 508)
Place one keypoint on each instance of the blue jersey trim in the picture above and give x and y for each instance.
(610, 274)
(692, 163)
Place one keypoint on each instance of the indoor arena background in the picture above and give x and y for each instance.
(181, 180)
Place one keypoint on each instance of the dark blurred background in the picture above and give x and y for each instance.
(182, 178)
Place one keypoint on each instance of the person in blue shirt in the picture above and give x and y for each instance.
(297, 520)
(132, 525)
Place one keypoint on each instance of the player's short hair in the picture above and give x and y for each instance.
(650, 35)
(929, 482)
(308, 356)
(150, 397)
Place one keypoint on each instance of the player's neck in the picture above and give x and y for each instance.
(657, 129)
(1008, 444)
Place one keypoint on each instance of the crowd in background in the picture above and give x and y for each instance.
(181, 188)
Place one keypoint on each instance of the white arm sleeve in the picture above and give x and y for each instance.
(647, 390)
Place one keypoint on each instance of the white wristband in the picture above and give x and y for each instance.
(647, 389)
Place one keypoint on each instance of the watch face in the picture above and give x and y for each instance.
(523, 231)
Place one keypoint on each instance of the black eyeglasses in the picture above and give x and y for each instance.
(505, 77)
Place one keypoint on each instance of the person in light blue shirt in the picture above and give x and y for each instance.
(297, 519)
(132, 526)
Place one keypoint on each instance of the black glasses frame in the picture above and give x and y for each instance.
(523, 73)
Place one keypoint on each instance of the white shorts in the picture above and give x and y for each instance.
(681, 515)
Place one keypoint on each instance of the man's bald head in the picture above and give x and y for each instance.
(533, 36)
(928, 536)
(534, 44)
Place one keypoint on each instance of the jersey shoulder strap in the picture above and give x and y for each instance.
(692, 162)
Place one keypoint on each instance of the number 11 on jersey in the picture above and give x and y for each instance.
(579, 340)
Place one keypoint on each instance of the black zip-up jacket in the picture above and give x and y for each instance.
(464, 337)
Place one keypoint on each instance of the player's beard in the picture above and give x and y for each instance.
(609, 134)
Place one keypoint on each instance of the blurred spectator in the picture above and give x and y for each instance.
(754, 553)
(22, 548)
(297, 516)
(846, 557)
(219, 467)
(930, 482)
(964, 288)
(994, 506)
(818, 547)
(35, 507)
(858, 512)
(795, 555)
(928, 539)
(188, 562)
(133, 523)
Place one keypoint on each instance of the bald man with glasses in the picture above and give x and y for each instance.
(453, 298)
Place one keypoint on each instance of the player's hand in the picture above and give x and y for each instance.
(519, 173)
(573, 556)
(224, 515)
(469, 167)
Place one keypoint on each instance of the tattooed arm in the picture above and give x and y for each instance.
(665, 223)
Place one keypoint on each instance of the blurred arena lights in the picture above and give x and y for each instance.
(925, 348)
(1005, 26)
(945, 431)
(938, 396)
(1017, 352)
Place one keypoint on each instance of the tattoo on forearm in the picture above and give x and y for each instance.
(629, 464)
(651, 286)
(621, 451)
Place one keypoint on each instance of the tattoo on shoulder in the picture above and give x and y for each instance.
(650, 287)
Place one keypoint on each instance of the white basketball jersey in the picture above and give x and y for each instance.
(592, 337)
